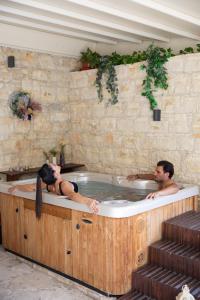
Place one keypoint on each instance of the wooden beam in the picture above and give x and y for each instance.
(168, 11)
(15, 21)
(78, 16)
(131, 17)
(43, 18)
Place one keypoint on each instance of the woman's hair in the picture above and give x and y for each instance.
(46, 173)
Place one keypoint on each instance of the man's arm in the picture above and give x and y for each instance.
(141, 176)
(171, 189)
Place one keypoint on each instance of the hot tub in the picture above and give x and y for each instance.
(118, 197)
(100, 250)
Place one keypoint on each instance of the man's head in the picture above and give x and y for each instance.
(164, 171)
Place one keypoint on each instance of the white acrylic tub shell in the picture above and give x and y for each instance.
(114, 209)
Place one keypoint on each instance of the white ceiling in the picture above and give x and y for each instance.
(109, 22)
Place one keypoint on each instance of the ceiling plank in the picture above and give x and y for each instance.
(15, 21)
(168, 11)
(101, 22)
(131, 17)
(33, 16)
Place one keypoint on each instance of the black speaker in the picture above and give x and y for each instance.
(156, 114)
(11, 61)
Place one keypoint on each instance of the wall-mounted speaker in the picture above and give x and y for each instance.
(11, 61)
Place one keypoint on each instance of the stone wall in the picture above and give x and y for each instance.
(119, 139)
(123, 139)
(47, 78)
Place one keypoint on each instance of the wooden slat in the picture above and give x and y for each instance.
(12, 212)
(56, 243)
(33, 229)
(53, 210)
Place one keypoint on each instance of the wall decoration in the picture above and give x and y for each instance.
(22, 105)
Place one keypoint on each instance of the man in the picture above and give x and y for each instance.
(162, 175)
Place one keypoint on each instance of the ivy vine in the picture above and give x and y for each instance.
(156, 73)
(106, 67)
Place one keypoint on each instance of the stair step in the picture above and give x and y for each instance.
(183, 229)
(135, 295)
(162, 283)
(176, 257)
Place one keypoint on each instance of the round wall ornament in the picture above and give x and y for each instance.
(22, 105)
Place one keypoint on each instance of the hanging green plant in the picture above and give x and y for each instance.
(156, 73)
(107, 68)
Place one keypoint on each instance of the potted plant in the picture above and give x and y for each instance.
(53, 152)
(156, 75)
(89, 59)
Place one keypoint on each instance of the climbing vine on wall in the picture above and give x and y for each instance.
(156, 73)
(106, 68)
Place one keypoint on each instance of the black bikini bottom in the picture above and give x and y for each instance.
(75, 186)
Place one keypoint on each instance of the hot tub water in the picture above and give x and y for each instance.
(102, 191)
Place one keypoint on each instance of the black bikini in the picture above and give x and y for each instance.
(75, 185)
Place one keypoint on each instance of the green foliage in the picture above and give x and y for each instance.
(53, 151)
(90, 57)
(187, 50)
(107, 67)
(156, 73)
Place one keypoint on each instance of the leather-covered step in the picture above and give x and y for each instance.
(176, 257)
(135, 295)
(183, 229)
(163, 284)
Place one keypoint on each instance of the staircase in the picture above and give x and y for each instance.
(173, 262)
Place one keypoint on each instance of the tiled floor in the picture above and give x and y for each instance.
(23, 280)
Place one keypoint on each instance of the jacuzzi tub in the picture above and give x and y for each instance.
(109, 208)
(100, 250)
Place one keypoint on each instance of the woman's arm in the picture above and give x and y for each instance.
(91, 203)
(24, 187)
(171, 189)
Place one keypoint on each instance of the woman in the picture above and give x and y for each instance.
(49, 177)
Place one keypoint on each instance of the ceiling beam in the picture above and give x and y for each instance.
(101, 22)
(49, 29)
(43, 18)
(78, 16)
(131, 17)
(168, 11)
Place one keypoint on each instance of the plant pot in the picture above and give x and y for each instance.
(156, 114)
(85, 66)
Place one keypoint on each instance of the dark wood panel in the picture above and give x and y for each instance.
(53, 210)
